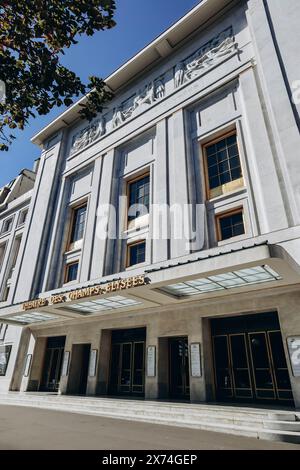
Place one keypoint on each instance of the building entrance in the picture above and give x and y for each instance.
(249, 359)
(53, 364)
(127, 365)
(179, 374)
(79, 369)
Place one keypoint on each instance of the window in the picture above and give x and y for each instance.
(5, 294)
(4, 358)
(136, 253)
(23, 217)
(223, 166)
(7, 225)
(15, 254)
(230, 224)
(2, 254)
(3, 329)
(71, 272)
(78, 224)
(138, 193)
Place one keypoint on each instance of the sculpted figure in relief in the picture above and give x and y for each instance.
(89, 134)
(204, 58)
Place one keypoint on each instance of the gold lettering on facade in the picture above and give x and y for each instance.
(113, 286)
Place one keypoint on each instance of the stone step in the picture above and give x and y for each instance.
(259, 423)
(185, 410)
(140, 404)
(244, 428)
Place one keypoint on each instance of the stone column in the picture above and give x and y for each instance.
(152, 383)
(263, 175)
(103, 362)
(160, 221)
(197, 384)
(23, 350)
(33, 383)
(63, 384)
(91, 223)
(92, 381)
(100, 246)
(268, 24)
(289, 318)
(178, 186)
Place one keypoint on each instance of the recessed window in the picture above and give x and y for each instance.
(7, 225)
(136, 253)
(23, 217)
(223, 166)
(78, 224)
(230, 224)
(2, 254)
(5, 294)
(3, 329)
(139, 193)
(72, 272)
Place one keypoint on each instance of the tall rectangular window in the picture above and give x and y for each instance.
(2, 254)
(3, 329)
(78, 224)
(138, 193)
(22, 217)
(223, 166)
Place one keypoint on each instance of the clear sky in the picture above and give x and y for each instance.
(138, 23)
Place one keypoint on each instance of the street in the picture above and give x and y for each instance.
(24, 428)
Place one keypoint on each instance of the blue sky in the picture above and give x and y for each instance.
(138, 23)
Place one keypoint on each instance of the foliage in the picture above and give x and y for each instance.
(33, 36)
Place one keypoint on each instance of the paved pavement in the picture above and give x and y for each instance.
(36, 429)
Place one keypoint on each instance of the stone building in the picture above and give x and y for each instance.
(196, 294)
(14, 207)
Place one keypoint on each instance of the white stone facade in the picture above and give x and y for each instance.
(226, 69)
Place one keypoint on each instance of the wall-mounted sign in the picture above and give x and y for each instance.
(151, 361)
(65, 367)
(294, 352)
(5, 352)
(195, 360)
(27, 365)
(93, 363)
(100, 289)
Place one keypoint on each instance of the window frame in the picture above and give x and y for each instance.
(229, 213)
(129, 246)
(21, 214)
(67, 267)
(128, 183)
(3, 331)
(10, 218)
(2, 257)
(236, 184)
(72, 245)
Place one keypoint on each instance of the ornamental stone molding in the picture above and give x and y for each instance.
(208, 56)
(88, 135)
(151, 93)
(202, 60)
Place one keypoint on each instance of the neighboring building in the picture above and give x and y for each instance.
(202, 119)
(14, 207)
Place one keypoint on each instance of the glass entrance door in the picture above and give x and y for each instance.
(127, 375)
(52, 364)
(251, 367)
(179, 368)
